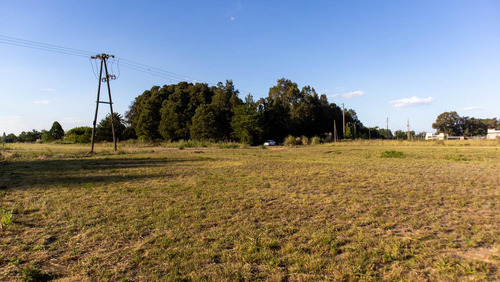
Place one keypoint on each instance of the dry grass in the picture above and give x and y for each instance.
(324, 212)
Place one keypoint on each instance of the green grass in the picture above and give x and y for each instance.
(392, 154)
(228, 212)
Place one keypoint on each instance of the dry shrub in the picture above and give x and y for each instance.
(290, 141)
(315, 140)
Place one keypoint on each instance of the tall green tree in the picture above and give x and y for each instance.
(104, 130)
(225, 99)
(56, 131)
(276, 108)
(246, 122)
(204, 124)
(179, 109)
(449, 123)
(147, 114)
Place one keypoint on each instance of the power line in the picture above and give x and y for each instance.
(147, 69)
(44, 46)
(44, 49)
(158, 70)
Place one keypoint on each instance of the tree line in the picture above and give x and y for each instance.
(198, 111)
(82, 134)
(451, 123)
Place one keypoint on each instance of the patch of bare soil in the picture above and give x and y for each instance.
(489, 255)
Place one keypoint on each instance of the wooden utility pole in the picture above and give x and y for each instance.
(334, 131)
(408, 129)
(103, 58)
(387, 130)
(343, 121)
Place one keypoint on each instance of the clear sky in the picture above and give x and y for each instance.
(384, 59)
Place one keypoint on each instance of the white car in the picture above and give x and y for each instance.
(269, 143)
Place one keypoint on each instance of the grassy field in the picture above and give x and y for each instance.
(345, 211)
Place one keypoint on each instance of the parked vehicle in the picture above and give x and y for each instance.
(269, 143)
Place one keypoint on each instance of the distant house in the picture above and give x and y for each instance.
(432, 136)
(493, 133)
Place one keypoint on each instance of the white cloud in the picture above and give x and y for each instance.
(232, 18)
(48, 89)
(12, 118)
(412, 101)
(42, 102)
(332, 95)
(471, 109)
(353, 94)
(73, 120)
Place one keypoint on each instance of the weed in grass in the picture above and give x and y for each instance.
(33, 273)
(15, 260)
(197, 192)
(6, 219)
(228, 145)
(457, 158)
(392, 154)
(88, 185)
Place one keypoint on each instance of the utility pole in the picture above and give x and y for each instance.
(343, 121)
(103, 58)
(334, 132)
(408, 129)
(387, 130)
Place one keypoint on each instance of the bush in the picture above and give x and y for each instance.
(328, 138)
(392, 154)
(81, 135)
(290, 141)
(315, 140)
(304, 139)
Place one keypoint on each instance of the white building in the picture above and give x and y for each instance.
(493, 133)
(432, 136)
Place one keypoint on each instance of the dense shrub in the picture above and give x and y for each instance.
(290, 141)
(80, 135)
(315, 140)
(304, 140)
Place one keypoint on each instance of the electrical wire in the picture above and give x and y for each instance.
(140, 67)
(118, 67)
(151, 73)
(92, 65)
(44, 49)
(43, 46)
(151, 68)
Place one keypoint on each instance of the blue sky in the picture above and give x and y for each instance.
(384, 59)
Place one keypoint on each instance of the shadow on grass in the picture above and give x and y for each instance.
(83, 172)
